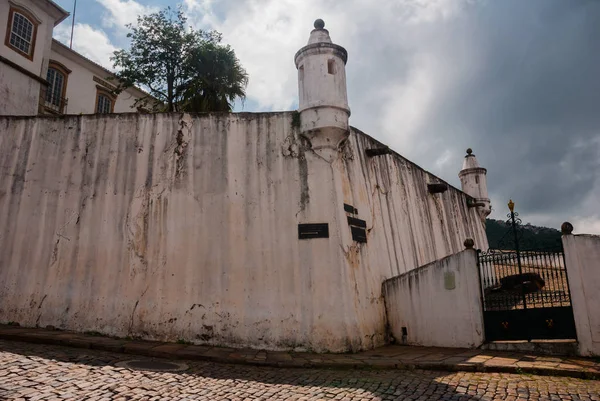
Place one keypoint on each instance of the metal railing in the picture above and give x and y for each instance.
(51, 103)
(529, 279)
(514, 278)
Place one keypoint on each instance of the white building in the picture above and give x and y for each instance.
(39, 75)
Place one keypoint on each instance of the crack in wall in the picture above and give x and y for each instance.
(37, 321)
(55, 252)
(182, 138)
(137, 302)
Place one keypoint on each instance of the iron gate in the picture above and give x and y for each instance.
(525, 289)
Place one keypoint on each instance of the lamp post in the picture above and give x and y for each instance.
(511, 207)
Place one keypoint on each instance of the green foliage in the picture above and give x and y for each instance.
(185, 69)
(543, 237)
(216, 79)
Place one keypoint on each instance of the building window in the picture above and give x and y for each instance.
(21, 31)
(54, 99)
(105, 101)
(104, 104)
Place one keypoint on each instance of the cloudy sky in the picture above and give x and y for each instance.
(516, 80)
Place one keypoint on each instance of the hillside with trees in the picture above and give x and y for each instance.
(530, 236)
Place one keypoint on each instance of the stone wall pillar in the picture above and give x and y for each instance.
(582, 256)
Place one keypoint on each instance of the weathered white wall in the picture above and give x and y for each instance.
(439, 304)
(582, 255)
(407, 226)
(81, 87)
(170, 226)
(19, 93)
(167, 227)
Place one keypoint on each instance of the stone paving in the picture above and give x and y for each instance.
(49, 372)
(389, 357)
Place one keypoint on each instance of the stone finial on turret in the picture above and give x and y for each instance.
(323, 104)
(474, 183)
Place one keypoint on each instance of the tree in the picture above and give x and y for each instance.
(216, 79)
(185, 69)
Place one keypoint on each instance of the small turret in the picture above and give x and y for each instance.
(323, 105)
(474, 183)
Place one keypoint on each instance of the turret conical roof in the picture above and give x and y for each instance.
(470, 161)
(319, 34)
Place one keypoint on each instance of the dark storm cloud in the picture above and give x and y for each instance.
(542, 80)
(520, 83)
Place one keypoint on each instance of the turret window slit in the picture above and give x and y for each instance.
(331, 67)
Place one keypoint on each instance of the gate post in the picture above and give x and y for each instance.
(481, 289)
(582, 261)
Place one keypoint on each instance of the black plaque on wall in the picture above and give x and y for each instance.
(359, 234)
(309, 231)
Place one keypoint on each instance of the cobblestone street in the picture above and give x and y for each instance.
(42, 372)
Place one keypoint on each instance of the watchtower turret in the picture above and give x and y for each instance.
(323, 104)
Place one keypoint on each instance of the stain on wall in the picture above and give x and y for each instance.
(19, 93)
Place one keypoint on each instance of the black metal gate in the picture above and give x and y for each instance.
(525, 289)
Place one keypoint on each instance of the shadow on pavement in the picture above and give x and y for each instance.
(311, 383)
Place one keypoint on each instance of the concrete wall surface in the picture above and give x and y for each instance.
(19, 93)
(177, 226)
(582, 255)
(438, 304)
